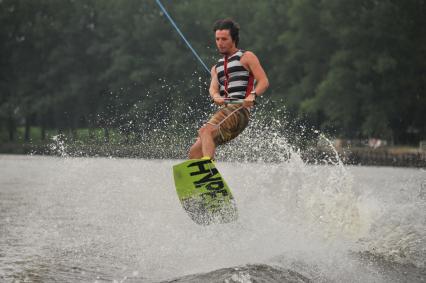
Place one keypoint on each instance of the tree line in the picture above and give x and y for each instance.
(353, 68)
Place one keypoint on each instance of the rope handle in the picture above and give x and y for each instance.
(233, 100)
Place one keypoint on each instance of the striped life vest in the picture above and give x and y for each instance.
(235, 81)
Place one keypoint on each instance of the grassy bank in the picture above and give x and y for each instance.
(162, 144)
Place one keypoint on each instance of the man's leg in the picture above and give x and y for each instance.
(204, 145)
(207, 134)
(196, 152)
(231, 121)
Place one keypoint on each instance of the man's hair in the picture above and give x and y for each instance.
(231, 25)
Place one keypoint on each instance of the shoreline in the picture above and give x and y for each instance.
(388, 156)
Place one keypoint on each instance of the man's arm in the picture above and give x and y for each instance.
(214, 88)
(250, 61)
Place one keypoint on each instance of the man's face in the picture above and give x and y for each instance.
(224, 41)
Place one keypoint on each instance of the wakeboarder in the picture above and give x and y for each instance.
(237, 76)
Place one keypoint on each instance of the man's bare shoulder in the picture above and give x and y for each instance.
(249, 56)
(248, 53)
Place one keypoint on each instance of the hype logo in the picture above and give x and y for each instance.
(211, 181)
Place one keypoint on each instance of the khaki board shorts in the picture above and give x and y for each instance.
(231, 120)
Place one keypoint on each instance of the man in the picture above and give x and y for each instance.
(232, 77)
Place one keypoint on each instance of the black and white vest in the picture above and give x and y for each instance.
(235, 80)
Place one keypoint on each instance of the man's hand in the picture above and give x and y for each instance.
(218, 100)
(249, 100)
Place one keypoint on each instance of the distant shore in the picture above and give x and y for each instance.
(365, 156)
(386, 156)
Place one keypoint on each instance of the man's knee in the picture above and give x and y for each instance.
(196, 145)
(208, 130)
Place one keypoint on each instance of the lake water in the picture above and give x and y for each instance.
(119, 220)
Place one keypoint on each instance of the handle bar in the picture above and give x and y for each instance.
(234, 101)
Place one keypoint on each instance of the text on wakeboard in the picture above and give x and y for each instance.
(213, 184)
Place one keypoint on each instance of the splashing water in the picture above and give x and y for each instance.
(119, 219)
(320, 195)
(311, 218)
(59, 146)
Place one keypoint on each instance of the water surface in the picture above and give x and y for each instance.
(119, 220)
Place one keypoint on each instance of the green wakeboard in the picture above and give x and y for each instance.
(203, 192)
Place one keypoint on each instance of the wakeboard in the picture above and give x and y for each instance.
(203, 192)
